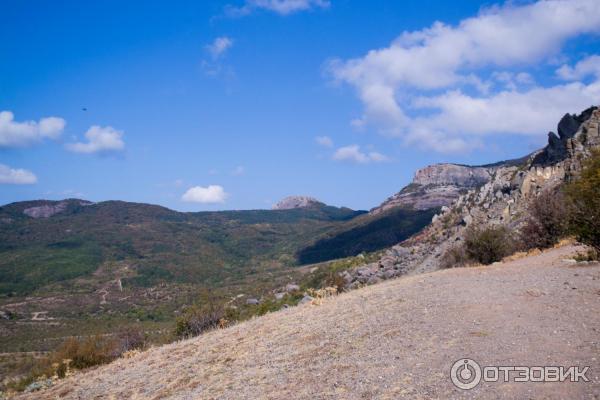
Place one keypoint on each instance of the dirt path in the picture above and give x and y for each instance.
(393, 340)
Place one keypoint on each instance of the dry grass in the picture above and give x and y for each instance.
(393, 340)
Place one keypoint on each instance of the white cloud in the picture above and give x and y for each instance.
(461, 120)
(19, 134)
(16, 176)
(530, 111)
(238, 171)
(206, 195)
(219, 46)
(584, 68)
(428, 71)
(324, 141)
(281, 7)
(353, 153)
(99, 140)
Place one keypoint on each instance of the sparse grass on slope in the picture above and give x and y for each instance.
(393, 340)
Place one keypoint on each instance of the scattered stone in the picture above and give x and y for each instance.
(306, 299)
(373, 280)
(291, 287)
(389, 274)
(533, 292)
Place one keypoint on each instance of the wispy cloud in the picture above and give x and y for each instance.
(20, 134)
(238, 171)
(324, 141)
(219, 47)
(214, 66)
(16, 176)
(354, 154)
(281, 7)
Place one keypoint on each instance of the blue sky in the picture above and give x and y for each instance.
(236, 104)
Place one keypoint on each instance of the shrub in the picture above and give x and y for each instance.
(590, 255)
(488, 244)
(584, 196)
(130, 338)
(198, 319)
(455, 257)
(548, 221)
(336, 280)
(88, 352)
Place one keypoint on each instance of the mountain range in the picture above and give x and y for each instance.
(75, 266)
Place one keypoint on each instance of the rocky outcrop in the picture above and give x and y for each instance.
(560, 147)
(436, 186)
(502, 199)
(45, 211)
(292, 202)
(52, 208)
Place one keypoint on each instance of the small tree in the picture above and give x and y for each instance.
(488, 244)
(548, 221)
(584, 196)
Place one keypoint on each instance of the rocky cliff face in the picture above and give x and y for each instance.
(502, 199)
(50, 208)
(436, 186)
(292, 202)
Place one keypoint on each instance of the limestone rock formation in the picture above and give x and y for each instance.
(436, 186)
(292, 202)
(501, 198)
(52, 208)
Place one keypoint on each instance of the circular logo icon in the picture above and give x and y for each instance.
(465, 374)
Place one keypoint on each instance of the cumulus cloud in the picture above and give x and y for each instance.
(19, 134)
(281, 7)
(584, 68)
(219, 46)
(353, 153)
(424, 75)
(205, 195)
(16, 176)
(99, 140)
(324, 141)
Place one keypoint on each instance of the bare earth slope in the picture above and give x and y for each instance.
(393, 340)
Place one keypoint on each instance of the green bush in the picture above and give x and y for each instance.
(584, 196)
(548, 221)
(488, 244)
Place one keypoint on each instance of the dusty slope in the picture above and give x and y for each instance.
(393, 340)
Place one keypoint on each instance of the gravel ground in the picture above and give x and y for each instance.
(393, 340)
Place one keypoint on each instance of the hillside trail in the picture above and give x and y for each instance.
(394, 340)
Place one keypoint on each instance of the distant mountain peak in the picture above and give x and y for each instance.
(292, 202)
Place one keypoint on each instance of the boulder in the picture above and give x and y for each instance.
(373, 280)
(291, 287)
(389, 274)
(279, 296)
